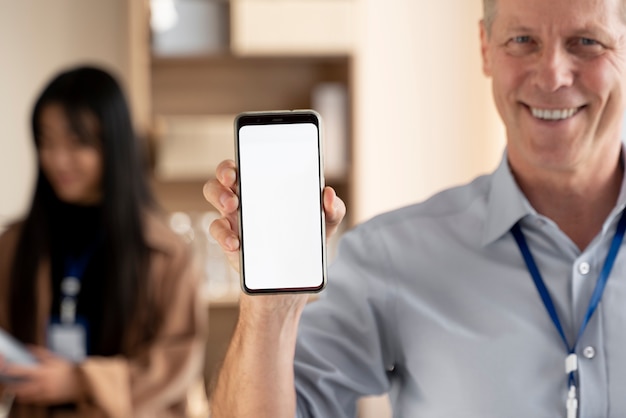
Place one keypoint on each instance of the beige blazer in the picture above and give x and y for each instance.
(151, 380)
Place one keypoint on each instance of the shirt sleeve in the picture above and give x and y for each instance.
(345, 347)
(153, 382)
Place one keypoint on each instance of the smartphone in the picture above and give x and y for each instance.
(281, 216)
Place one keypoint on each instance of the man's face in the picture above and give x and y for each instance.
(559, 80)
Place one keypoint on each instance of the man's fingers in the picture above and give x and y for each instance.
(334, 209)
(222, 198)
(225, 236)
(221, 192)
(226, 174)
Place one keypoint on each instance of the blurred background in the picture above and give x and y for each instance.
(399, 85)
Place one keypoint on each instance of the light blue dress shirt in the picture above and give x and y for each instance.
(433, 303)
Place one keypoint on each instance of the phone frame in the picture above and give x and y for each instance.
(282, 117)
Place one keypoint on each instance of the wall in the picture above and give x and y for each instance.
(38, 38)
(423, 113)
(424, 117)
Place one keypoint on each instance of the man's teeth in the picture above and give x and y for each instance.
(556, 114)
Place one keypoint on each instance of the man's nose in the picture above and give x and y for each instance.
(554, 69)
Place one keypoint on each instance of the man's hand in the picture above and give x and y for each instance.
(222, 193)
(267, 325)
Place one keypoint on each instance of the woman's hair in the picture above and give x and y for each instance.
(126, 195)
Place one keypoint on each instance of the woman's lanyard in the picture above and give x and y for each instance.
(70, 285)
(571, 361)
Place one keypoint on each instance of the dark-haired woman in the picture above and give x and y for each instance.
(92, 279)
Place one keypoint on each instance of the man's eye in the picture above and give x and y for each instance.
(521, 39)
(586, 47)
(521, 45)
(588, 42)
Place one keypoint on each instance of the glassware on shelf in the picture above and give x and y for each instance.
(222, 280)
(180, 222)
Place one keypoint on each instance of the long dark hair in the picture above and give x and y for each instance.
(126, 196)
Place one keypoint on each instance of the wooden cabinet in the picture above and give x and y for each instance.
(281, 54)
(195, 96)
(195, 101)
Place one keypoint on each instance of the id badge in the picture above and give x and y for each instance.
(68, 340)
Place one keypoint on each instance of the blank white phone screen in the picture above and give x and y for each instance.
(281, 215)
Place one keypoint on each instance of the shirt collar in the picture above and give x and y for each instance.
(621, 199)
(506, 204)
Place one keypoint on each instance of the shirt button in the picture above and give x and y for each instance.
(589, 352)
(583, 268)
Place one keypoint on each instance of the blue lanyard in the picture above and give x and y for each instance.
(70, 285)
(76, 266)
(595, 297)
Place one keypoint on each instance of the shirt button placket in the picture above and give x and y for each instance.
(584, 268)
(589, 352)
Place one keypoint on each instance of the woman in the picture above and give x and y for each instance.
(92, 279)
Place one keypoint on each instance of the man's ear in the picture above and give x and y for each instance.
(484, 42)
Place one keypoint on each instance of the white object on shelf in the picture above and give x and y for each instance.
(330, 100)
(191, 147)
(180, 223)
(163, 15)
(189, 27)
(221, 280)
(292, 27)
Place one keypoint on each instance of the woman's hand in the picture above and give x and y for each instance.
(54, 380)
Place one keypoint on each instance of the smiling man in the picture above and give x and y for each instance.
(505, 297)
(558, 71)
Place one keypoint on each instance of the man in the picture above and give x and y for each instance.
(502, 298)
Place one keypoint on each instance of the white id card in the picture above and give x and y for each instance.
(68, 340)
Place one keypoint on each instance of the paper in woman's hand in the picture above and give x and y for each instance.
(14, 352)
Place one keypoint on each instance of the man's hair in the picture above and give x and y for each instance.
(490, 9)
(489, 13)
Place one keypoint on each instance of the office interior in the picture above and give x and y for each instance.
(406, 108)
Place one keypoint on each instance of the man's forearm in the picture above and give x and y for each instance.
(256, 379)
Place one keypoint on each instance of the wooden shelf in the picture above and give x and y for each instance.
(183, 196)
(225, 84)
(230, 85)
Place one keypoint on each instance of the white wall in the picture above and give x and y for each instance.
(38, 38)
(424, 117)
